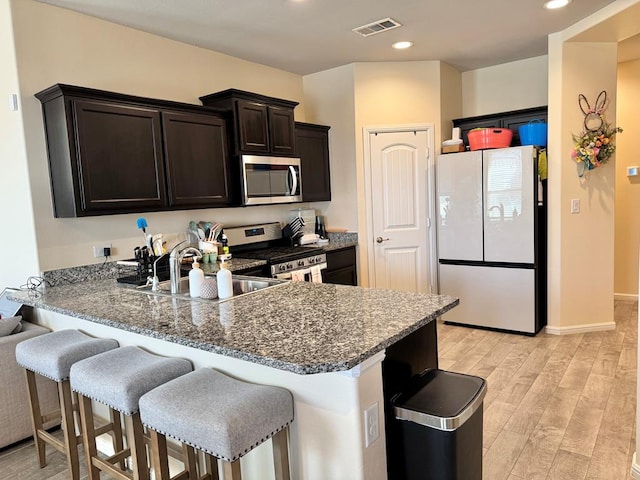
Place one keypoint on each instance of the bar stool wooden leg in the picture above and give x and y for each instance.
(137, 446)
(190, 460)
(159, 458)
(69, 429)
(281, 454)
(211, 466)
(231, 470)
(36, 418)
(117, 434)
(89, 437)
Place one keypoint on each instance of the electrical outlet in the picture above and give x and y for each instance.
(99, 250)
(371, 426)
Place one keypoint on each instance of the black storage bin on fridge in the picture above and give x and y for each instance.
(441, 420)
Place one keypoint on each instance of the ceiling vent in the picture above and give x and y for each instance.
(377, 27)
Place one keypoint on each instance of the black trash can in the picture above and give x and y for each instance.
(441, 420)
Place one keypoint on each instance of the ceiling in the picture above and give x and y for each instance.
(307, 36)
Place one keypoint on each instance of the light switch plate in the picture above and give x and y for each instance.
(575, 205)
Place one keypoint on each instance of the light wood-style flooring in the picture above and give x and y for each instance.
(557, 407)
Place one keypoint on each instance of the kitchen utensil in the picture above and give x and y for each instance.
(142, 225)
(296, 224)
(201, 229)
(193, 227)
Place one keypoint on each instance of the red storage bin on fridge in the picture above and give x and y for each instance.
(489, 138)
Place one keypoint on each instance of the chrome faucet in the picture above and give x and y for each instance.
(175, 259)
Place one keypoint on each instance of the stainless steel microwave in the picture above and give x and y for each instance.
(268, 180)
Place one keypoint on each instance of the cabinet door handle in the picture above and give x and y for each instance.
(380, 239)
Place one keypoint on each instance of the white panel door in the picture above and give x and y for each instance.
(459, 205)
(400, 210)
(509, 207)
(493, 297)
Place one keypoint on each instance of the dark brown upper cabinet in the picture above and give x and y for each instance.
(312, 146)
(117, 163)
(511, 120)
(197, 159)
(111, 153)
(261, 125)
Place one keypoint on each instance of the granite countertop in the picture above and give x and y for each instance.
(300, 327)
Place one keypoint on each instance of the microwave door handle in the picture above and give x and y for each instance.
(294, 180)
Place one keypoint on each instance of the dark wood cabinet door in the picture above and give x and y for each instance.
(197, 159)
(252, 127)
(119, 158)
(281, 130)
(341, 276)
(312, 146)
(341, 267)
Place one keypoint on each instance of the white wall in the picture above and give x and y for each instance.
(81, 50)
(18, 254)
(329, 98)
(450, 99)
(627, 220)
(500, 88)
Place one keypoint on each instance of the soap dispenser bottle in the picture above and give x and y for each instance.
(225, 282)
(196, 277)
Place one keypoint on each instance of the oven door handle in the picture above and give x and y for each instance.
(287, 275)
(294, 180)
(305, 271)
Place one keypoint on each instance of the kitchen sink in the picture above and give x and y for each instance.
(242, 285)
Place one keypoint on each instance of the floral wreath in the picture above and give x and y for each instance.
(594, 146)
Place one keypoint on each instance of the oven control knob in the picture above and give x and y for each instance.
(289, 266)
(312, 260)
(318, 259)
(282, 268)
(301, 263)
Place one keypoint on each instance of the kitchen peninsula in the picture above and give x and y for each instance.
(325, 343)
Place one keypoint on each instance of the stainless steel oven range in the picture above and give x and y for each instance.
(265, 242)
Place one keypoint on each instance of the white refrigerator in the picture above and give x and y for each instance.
(492, 238)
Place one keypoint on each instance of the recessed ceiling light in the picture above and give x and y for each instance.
(553, 4)
(402, 45)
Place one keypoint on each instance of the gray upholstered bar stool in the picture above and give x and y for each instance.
(118, 379)
(220, 416)
(52, 355)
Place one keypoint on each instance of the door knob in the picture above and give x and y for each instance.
(380, 239)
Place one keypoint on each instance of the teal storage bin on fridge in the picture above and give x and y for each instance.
(533, 133)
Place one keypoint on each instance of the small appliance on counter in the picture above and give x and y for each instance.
(321, 230)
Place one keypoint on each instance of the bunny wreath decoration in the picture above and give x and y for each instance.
(594, 146)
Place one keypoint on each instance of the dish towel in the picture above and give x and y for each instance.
(298, 275)
(316, 274)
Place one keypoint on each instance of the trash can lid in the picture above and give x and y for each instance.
(440, 399)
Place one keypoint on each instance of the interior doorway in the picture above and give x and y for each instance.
(399, 172)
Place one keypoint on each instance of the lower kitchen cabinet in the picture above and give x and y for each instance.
(252, 272)
(312, 146)
(341, 267)
(111, 153)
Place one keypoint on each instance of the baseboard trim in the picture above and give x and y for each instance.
(635, 468)
(571, 329)
(626, 297)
